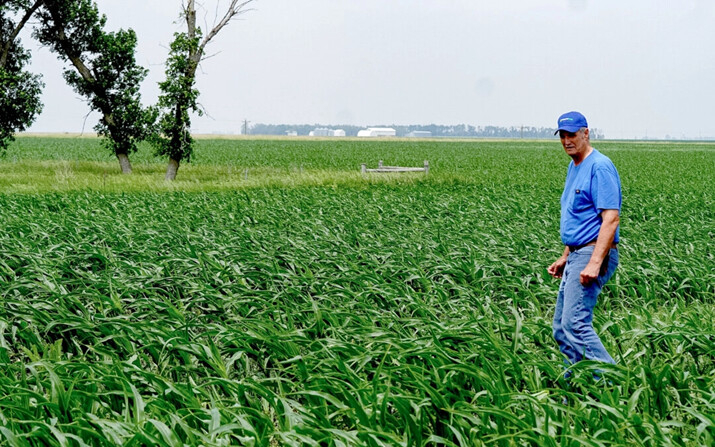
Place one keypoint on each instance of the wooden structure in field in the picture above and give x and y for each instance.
(382, 168)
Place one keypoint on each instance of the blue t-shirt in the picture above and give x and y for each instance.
(591, 187)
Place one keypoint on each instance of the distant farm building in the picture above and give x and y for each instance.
(325, 132)
(377, 132)
(419, 134)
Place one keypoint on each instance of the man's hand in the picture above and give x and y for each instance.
(590, 273)
(603, 245)
(557, 268)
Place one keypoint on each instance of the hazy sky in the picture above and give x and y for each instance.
(634, 68)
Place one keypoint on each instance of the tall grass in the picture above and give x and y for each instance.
(350, 310)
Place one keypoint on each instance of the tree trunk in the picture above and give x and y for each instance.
(171, 169)
(124, 163)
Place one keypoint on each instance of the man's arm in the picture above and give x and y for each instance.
(557, 268)
(610, 220)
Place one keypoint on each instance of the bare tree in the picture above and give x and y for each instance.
(179, 94)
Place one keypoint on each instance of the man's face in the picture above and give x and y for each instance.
(574, 143)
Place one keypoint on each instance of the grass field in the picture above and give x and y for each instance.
(273, 295)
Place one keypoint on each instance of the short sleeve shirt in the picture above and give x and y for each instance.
(591, 187)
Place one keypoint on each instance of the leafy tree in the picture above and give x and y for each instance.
(104, 70)
(19, 90)
(177, 101)
(179, 96)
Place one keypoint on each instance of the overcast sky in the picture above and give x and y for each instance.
(635, 68)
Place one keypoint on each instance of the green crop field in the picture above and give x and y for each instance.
(274, 295)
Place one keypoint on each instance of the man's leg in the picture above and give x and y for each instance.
(560, 336)
(578, 305)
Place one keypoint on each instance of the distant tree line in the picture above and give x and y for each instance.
(437, 130)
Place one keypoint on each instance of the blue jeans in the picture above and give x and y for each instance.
(573, 317)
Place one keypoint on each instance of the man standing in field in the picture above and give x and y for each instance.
(590, 209)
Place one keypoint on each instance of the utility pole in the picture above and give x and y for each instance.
(245, 127)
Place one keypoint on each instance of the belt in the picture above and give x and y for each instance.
(573, 248)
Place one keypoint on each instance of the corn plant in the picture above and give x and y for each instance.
(397, 311)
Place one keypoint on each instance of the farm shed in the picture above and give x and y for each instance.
(325, 132)
(377, 132)
(320, 132)
(420, 134)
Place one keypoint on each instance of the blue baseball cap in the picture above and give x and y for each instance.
(571, 122)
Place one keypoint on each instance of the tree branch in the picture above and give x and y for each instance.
(232, 12)
(16, 32)
(84, 71)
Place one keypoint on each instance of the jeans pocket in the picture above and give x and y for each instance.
(608, 268)
(604, 265)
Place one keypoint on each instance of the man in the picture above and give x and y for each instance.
(590, 210)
